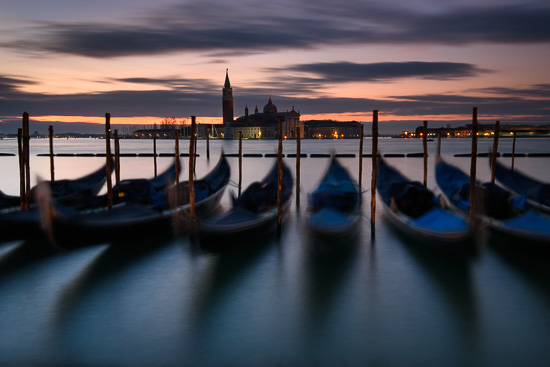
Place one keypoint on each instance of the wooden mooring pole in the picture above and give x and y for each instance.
(473, 168)
(495, 152)
(195, 150)
(108, 160)
(280, 178)
(26, 160)
(425, 149)
(21, 167)
(207, 145)
(361, 158)
(513, 149)
(192, 142)
(52, 169)
(240, 160)
(298, 156)
(374, 171)
(117, 158)
(177, 154)
(155, 153)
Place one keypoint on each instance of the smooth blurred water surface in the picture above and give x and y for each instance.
(290, 301)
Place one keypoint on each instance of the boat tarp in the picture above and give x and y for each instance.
(342, 195)
(441, 220)
(454, 183)
(327, 218)
(411, 197)
(523, 184)
(493, 200)
(530, 221)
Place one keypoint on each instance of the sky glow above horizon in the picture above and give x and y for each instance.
(143, 61)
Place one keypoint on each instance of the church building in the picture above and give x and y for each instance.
(259, 125)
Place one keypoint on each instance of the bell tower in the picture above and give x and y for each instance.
(227, 104)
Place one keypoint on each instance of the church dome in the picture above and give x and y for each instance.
(270, 107)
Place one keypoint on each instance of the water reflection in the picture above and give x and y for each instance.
(453, 279)
(112, 260)
(94, 306)
(226, 310)
(530, 266)
(22, 255)
(381, 301)
(220, 279)
(327, 268)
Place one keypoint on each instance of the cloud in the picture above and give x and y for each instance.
(535, 91)
(437, 104)
(181, 97)
(352, 72)
(174, 83)
(246, 26)
(9, 86)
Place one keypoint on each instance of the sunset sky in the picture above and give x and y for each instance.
(142, 61)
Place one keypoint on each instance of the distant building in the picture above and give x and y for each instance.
(169, 132)
(330, 129)
(227, 106)
(265, 125)
(259, 125)
(483, 130)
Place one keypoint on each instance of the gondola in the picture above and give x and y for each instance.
(334, 207)
(16, 224)
(67, 228)
(135, 190)
(417, 213)
(510, 220)
(253, 213)
(536, 192)
(70, 192)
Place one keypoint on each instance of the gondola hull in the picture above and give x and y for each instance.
(67, 228)
(253, 216)
(69, 192)
(125, 222)
(16, 224)
(506, 220)
(334, 207)
(536, 192)
(428, 222)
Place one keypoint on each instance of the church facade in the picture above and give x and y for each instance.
(259, 125)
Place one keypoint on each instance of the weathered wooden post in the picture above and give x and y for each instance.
(155, 153)
(240, 160)
(207, 145)
(52, 169)
(374, 171)
(108, 160)
(298, 154)
(117, 158)
(361, 157)
(473, 168)
(177, 154)
(192, 142)
(513, 149)
(280, 178)
(26, 158)
(195, 137)
(425, 149)
(495, 152)
(21, 157)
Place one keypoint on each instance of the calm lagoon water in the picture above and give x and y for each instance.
(283, 302)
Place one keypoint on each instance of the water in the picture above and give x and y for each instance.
(287, 302)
